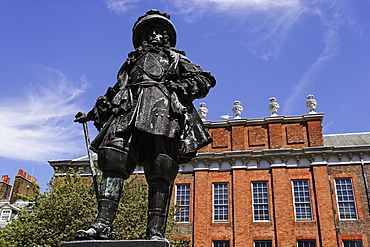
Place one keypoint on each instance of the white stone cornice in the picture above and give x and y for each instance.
(274, 158)
(251, 159)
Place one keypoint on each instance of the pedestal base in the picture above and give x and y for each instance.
(117, 243)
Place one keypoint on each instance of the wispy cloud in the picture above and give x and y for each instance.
(120, 6)
(333, 17)
(37, 126)
(326, 127)
(265, 25)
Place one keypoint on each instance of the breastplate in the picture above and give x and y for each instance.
(151, 66)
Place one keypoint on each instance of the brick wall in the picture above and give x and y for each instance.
(353, 229)
(242, 230)
(282, 229)
(282, 132)
(24, 184)
(5, 188)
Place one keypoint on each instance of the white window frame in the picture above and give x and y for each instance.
(308, 241)
(216, 242)
(298, 202)
(269, 242)
(6, 211)
(256, 204)
(225, 205)
(183, 201)
(345, 201)
(353, 242)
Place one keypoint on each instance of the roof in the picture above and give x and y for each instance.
(17, 205)
(346, 140)
(4, 204)
(86, 158)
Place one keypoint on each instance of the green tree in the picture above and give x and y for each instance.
(53, 216)
(69, 204)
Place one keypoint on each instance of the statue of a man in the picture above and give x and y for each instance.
(147, 118)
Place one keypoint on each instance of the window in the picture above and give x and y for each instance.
(5, 214)
(221, 244)
(302, 201)
(262, 243)
(260, 201)
(306, 243)
(220, 202)
(345, 199)
(183, 243)
(352, 243)
(183, 200)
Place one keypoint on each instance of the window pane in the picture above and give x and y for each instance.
(183, 200)
(260, 201)
(262, 243)
(306, 243)
(302, 200)
(221, 244)
(5, 214)
(352, 243)
(220, 202)
(345, 199)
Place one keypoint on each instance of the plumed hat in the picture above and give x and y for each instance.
(153, 18)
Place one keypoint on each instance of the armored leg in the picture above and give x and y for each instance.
(157, 210)
(115, 159)
(160, 173)
(110, 193)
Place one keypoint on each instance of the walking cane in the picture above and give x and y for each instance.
(92, 166)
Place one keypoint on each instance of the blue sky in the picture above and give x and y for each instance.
(57, 57)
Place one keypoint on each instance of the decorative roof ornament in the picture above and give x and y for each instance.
(237, 109)
(311, 104)
(273, 107)
(202, 111)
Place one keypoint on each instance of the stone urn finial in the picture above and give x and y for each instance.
(237, 109)
(311, 104)
(202, 111)
(273, 107)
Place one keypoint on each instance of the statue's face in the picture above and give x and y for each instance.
(155, 37)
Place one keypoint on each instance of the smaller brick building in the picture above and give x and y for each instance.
(275, 181)
(10, 203)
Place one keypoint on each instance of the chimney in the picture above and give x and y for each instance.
(5, 188)
(24, 184)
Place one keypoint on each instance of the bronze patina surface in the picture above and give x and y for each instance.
(147, 118)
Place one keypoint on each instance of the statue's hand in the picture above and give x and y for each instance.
(81, 117)
(171, 85)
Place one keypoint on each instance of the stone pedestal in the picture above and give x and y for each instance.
(117, 243)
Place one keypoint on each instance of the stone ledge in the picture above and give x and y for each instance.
(117, 243)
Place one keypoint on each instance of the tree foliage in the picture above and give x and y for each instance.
(69, 205)
(53, 216)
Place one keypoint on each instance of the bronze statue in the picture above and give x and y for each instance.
(147, 118)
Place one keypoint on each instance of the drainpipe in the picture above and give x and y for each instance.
(364, 172)
(332, 206)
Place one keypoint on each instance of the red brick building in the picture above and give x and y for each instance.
(10, 203)
(275, 181)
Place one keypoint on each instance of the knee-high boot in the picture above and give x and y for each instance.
(160, 172)
(157, 211)
(110, 192)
